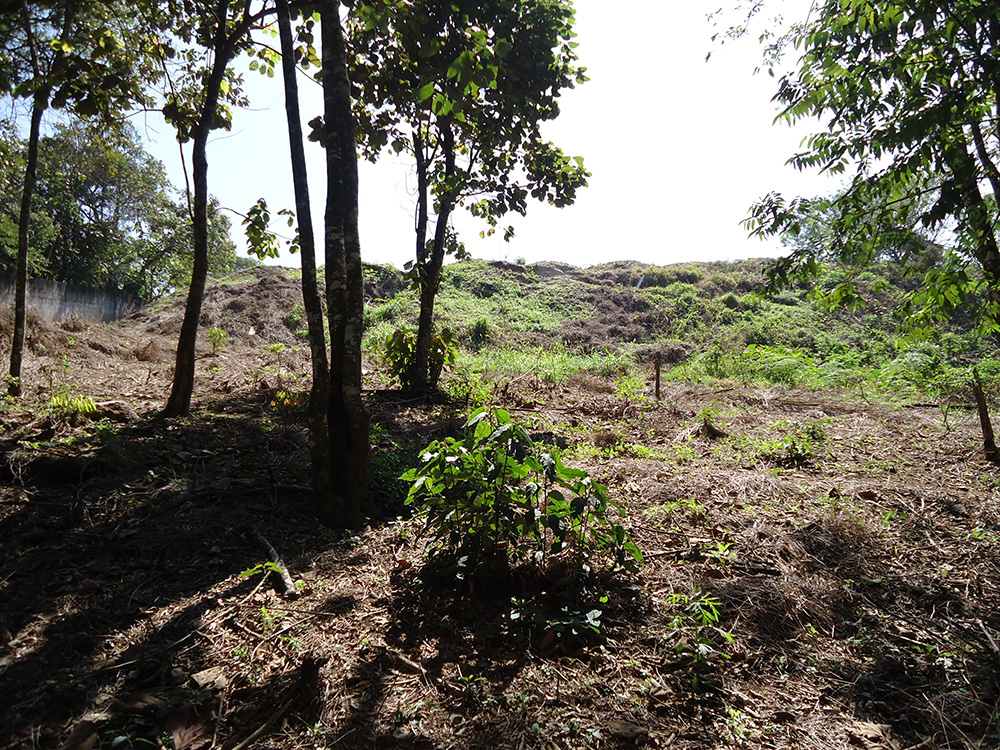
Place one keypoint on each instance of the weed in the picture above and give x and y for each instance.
(796, 447)
(684, 453)
(481, 331)
(468, 387)
(631, 389)
(218, 338)
(695, 629)
(69, 407)
(695, 510)
(707, 417)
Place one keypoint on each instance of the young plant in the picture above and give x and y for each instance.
(696, 628)
(495, 494)
(400, 349)
(493, 501)
(218, 338)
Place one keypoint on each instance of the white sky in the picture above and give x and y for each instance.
(679, 148)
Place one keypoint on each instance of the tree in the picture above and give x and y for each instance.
(329, 502)
(217, 32)
(464, 88)
(104, 214)
(909, 95)
(342, 477)
(71, 54)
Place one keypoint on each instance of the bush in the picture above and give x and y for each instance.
(401, 345)
(492, 501)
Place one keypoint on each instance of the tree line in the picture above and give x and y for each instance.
(104, 213)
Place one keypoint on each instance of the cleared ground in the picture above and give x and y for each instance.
(820, 571)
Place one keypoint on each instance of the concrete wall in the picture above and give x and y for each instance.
(56, 301)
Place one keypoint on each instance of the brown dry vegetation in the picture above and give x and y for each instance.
(856, 571)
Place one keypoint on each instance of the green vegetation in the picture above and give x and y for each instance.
(511, 320)
(218, 338)
(493, 500)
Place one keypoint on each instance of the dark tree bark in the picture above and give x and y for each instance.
(14, 383)
(40, 103)
(319, 398)
(224, 48)
(429, 268)
(347, 416)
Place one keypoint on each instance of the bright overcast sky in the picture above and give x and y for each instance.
(679, 148)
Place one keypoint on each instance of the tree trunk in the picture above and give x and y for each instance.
(978, 218)
(39, 104)
(319, 398)
(430, 272)
(14, 383)
(347, 415)
(179, 402)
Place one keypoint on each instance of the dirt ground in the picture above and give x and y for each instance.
(855, 574)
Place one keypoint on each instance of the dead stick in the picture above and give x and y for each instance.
(312, 612)
(268, 725)
(992, 643)
(279, 569)
(657, 360)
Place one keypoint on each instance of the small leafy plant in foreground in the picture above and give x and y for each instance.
(494, 502)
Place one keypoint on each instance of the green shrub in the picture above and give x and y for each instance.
(218, 338)
(492, 502)
(494, 494)
(401, 345)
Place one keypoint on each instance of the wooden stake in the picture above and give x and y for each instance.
(657, 359)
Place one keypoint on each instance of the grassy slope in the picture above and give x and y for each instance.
(704, 317)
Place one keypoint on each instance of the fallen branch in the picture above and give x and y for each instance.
(305, 691)
(278, 567)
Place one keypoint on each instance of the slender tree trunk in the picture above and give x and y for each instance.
(430, 272)
(319, 398)
(422, 198)
(40, 103)
(347, 415)
(14, 383)
(179, 402)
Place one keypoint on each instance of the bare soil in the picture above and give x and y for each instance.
(857, 586)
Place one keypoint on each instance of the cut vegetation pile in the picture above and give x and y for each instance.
(819, 526)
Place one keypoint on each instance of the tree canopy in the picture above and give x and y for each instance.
(104, 214)
(464, 89)
(907, 93)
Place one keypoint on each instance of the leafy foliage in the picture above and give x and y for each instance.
(907, 96)
(218, 338)
(464, 89)
(104, 214)
(494, 495)
(400, 349)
